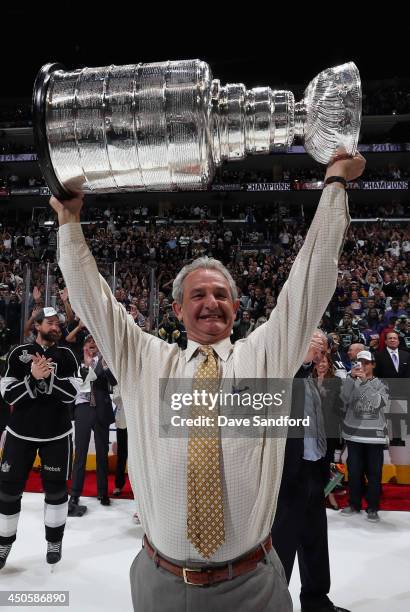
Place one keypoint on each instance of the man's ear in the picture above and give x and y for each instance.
(177, 308)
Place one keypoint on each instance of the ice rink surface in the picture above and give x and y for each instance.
(370, 563)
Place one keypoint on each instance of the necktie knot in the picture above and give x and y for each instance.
(206, 350)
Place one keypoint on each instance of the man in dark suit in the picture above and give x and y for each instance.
(300, 524)
(93, 411)
(392, 362)
(393, 367)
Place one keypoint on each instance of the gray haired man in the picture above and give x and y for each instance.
(230, 550)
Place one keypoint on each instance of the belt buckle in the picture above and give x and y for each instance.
(184, 573)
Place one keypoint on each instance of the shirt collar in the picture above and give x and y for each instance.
(222, 348)
(393, 350)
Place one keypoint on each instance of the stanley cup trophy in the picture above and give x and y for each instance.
(167, 126)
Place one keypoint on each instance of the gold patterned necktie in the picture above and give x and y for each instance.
(205, 512)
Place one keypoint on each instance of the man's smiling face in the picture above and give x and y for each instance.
(207, 310)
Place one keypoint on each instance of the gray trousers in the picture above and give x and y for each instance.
(264, 589)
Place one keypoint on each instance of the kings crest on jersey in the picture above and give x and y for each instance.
(40, 408)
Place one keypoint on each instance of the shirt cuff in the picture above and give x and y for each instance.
(334, 197)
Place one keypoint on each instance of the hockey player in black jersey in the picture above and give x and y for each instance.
(40, 384)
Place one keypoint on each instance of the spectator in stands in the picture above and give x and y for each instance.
(348, 331)
(353, 350)
(257, 301)
(393, 311)
(243, 325)
(137, 315)
(171, 330)
(355, 303)
(29, 328)
(339, 358)
(404, 333)
(374, 343)
(12, 313)
(388, 287)
(373, 318)
(379, 299)
(364, 331)
(5, 337)
(76, 337)
(339, 305)
(386, 331)
(373, 280)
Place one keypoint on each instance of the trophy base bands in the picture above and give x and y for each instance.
(34, 598)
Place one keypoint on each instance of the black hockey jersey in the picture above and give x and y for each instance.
(40, 408)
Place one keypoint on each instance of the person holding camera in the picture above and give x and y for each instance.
(364, 428)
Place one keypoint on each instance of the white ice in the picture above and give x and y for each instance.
(370, 563)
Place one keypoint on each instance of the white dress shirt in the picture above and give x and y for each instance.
(252, 467)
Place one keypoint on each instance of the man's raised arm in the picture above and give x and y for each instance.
(89, 293)
(312, 279)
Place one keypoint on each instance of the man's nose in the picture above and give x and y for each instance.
(211, 302)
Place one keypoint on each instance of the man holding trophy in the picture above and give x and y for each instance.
(206, 504)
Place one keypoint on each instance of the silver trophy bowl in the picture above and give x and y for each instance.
(166, 126)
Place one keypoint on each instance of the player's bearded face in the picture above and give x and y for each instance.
(52, 336)
(50, 329)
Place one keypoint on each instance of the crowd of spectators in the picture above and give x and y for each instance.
(311, 174)
(372, 289)
(389, 173)
(226, 176)
(13, 180)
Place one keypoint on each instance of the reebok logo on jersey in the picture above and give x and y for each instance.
(51, 469)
